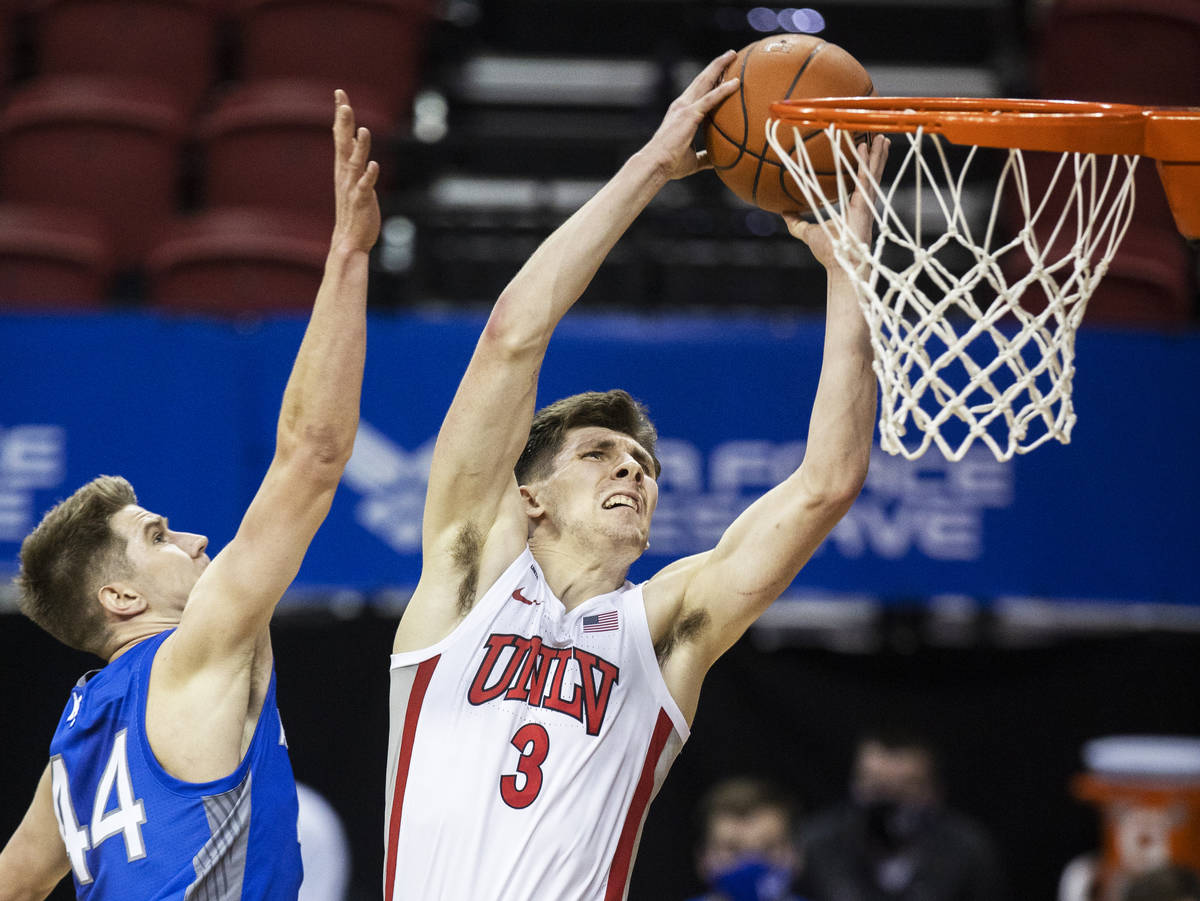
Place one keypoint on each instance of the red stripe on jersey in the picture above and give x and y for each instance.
(415, 699)
(618, 873)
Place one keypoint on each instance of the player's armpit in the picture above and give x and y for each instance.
(34, 860)
(457, 568)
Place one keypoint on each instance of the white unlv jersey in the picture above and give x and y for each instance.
(525, 748)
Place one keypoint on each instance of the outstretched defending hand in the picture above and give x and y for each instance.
(673, 140)
(859, 217)
(357, 221)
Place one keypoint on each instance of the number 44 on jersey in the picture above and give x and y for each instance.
(124, 817)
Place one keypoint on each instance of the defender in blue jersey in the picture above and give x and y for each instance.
(169, 775)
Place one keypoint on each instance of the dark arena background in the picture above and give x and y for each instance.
(1009, 611)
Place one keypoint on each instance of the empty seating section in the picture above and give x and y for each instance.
(268, 144)
(358, 45)
(1134, 51)
(123, 116)
(233, 261)
(97, 146)
(53, 258)
(172, 42)
(1145, 52)
(171, 144)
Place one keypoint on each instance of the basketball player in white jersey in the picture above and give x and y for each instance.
(538, 698)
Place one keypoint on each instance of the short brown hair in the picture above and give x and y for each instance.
(66, 558)
(615, 410)
(741, 796)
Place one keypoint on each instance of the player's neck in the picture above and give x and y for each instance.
(575, 576)
(132, 633)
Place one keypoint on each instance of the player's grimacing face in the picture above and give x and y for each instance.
(606, 478)
(166, 563)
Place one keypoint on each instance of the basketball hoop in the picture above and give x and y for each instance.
(982, 348)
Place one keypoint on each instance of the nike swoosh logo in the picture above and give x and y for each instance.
(517, 596)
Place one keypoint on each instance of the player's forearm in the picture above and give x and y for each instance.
(559, 271)
(842, 423)
(18, 885)
(34, 860)
(10, 891)
(319, 413)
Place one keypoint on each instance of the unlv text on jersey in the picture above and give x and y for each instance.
(535, 673)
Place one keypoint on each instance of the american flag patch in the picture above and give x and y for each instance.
(600, 622)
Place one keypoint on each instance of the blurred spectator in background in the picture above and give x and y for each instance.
(1167, 883)
(324, 848)
(748, 848)
(894, 840)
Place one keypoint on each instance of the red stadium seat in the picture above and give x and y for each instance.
(235, 261)
(111, 148)
(53, 258)
(1148, 53)
(1144, 52)
(350, 44)
(1150, 280)
(172, 42)
(269, 144)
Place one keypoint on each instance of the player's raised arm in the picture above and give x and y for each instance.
(472, 512)
(232, 602)
(717, 595)
(34, 860)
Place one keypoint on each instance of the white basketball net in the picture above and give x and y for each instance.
(956, 351)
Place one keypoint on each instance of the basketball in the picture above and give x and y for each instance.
(780, 67)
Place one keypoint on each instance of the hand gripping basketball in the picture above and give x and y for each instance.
(780, 66)
(673, 139)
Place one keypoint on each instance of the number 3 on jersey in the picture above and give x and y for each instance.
(125, 818)
(534, 744)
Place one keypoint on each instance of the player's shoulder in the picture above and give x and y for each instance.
(668, 586)
(676, 574)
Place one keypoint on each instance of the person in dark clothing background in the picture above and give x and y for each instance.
(1170, 882)
(894, 839)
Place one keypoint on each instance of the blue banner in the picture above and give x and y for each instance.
(186, 410)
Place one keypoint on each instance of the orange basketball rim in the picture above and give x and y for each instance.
(1168, 135)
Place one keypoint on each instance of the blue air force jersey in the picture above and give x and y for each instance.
(134, 831)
